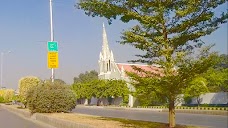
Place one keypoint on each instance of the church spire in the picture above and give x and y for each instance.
(106, 58)
(105, 47)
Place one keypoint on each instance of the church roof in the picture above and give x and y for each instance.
(129, 68)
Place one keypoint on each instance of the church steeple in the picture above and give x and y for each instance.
(106, 58)
(105, 47)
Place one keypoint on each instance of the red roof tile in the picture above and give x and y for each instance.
(129, 68)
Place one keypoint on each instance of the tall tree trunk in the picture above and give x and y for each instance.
(172, 119)
(198, 101)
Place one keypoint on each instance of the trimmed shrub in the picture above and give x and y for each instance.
(51, 98)
(25, 85)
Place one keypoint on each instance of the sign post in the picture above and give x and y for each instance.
(53, 60)
(52, 56)
(52, 38)
(52, 46)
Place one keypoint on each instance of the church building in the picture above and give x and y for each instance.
(109, 69)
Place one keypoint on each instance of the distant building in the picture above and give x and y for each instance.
(109, 69)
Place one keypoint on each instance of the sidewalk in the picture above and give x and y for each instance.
(14, 120)
(44, 120)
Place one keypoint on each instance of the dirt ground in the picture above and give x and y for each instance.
(91, 120)
(102, 122)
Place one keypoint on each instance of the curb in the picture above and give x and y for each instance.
(20, 112)
(206, 112)
(55, 122)
(60, 123)
(122, 108)
(190, 111)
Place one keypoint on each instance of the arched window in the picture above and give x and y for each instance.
(109, 63)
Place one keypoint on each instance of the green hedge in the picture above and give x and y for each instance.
(51, 98)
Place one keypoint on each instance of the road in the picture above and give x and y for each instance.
(210, 121)
(11, 120)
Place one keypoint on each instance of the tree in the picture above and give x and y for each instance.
(167, 31)
(217, 80)
(25, 85)
(56, 81)
(217, 76)
(196, 88)
(101, 89)
(83, 90)
(7, 95)
(117, 88)
(87, 76)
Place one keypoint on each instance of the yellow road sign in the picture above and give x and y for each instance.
(53, 60)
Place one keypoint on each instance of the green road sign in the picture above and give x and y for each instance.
(52, 46)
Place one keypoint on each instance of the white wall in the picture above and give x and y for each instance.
(212, 98)
(116, 101)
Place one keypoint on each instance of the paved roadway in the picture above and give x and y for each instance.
(11, 120)
(210, 121)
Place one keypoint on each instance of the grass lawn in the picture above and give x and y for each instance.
(106, 122)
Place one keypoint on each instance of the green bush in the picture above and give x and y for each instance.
(1, 99)
(51, 98)
(25, 85)
(7, 95)
(204, 105)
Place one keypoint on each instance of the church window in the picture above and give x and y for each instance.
(109, 65)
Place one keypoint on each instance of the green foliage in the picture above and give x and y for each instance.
(7, 95)
(175, 82)
(1, 99)
(197, 87)
(101, 89)
(187, 100)
(149, 99)
(204, 105)
(168, 32)
(16, 98)
(56, 81)
(86, 77)
(84, 90)
(116, 88)
(51, 98)
(25, 85)
(217, 77)
(217, 80)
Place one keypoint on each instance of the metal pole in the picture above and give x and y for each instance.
(1, 69)
(52, 36)
(2, 59)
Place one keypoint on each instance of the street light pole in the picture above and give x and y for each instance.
(52, 36)
(2, 55)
